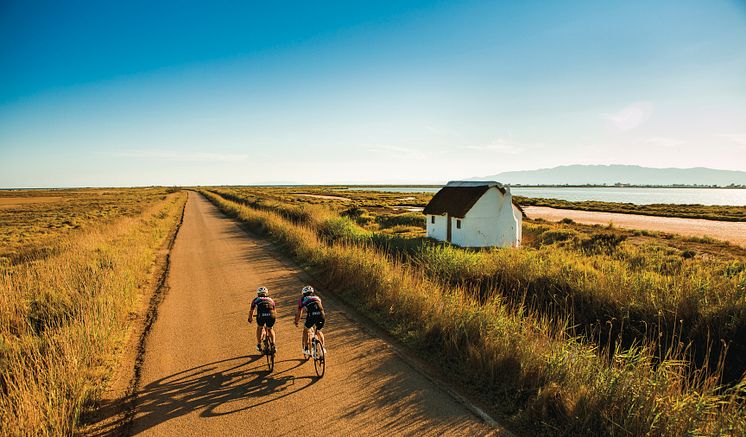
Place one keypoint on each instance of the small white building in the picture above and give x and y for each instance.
(474, 214)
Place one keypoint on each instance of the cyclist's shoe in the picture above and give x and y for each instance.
(259, 347)
(272, 349)
(306, 352)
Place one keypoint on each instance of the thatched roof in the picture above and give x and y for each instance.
(458, 197)
(456, 201)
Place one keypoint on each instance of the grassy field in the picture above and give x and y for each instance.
(31, 221)
(75, 269)
(613, 285)
(587, 330)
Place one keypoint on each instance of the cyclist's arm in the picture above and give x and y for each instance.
(251, 311)
(297, 315)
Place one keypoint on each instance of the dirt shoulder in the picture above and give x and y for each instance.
(116, 404)
(201, 376)
(733, 232)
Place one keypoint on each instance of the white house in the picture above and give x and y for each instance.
(474, 214)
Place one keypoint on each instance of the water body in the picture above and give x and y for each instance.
(639, 196)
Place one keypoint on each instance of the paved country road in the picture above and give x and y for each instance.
(200, 374)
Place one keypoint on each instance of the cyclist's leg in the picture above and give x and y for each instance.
(271, 330)
(319, 334)
(259, 332)
(307, 333)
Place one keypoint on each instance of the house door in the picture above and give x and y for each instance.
(448, 228)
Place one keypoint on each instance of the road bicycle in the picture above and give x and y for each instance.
(315, 351)
(268, 348)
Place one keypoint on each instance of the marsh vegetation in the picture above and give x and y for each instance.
(76, 269)
(586, 330)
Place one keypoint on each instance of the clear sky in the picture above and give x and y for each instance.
(132, 93)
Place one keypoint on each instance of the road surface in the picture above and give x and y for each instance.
(734, 232)
(201, 375)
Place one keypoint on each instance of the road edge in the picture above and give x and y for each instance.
(373, 328)
(130, 399)
(122, 404)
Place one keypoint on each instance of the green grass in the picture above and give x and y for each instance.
(531, 367)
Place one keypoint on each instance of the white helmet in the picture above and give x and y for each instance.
(307, 290)
(262, 291)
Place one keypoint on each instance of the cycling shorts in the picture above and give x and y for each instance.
(317, 320)
(263, 320)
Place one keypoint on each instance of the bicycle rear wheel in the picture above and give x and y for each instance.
(271, 360)
(268, 350)
(319, 360)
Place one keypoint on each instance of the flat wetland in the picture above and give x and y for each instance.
(31, 221)
(75, 266)
(587, 329)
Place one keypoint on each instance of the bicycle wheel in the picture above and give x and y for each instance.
(319, 360)
(270, 356)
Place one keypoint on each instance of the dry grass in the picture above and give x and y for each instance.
(63, 317)
(31, 221)
(531, 365)
(612, 285)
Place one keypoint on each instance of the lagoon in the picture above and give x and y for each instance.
(636, 195)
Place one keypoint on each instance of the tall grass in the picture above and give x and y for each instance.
(62, 319)
(531, 368)
(609, 290)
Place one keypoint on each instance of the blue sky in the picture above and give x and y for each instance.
(98, 94)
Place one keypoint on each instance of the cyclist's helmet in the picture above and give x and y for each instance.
(307, 290)
(262, 291)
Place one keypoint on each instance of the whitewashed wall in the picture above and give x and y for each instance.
(437, 230)
(519, 224)
(490, 222)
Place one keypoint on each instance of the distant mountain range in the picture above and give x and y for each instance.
(619, 174)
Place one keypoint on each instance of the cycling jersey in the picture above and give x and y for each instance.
(314, 311)
(265, 310)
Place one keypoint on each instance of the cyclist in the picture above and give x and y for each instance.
(314, 315)
(265, 315)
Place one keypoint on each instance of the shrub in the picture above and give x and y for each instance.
(341, 229)
(558, 235)
(407, 219)
(601, 242)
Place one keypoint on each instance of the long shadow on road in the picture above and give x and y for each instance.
(215, 389)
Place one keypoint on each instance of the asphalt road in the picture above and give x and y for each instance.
(201, 375)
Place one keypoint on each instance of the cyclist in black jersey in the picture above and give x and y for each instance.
(314, 316)
(265, 315)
